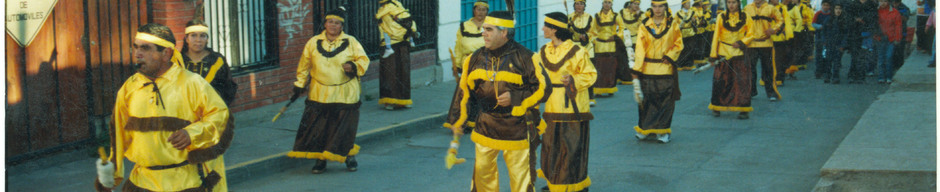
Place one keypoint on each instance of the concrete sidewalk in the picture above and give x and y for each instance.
(259, 147)
(893, 146)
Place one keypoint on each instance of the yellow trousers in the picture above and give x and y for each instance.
(486, 174)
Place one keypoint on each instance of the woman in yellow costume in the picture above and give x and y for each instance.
(328, 73)
(202, 60)
(731, 86)
(608, 45)
(656, 83)
(565, 142)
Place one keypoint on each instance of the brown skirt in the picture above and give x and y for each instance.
(659, 102)
(606, 73)
(564, 158)
(731, 86)
(327, 131)
(395, 76)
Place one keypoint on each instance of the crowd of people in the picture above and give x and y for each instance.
(501, 85)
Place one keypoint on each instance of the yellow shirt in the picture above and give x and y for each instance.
(764, 17)
(687, 18)
(388, 13)
(581, 25)
(607, 27)
(701, 20)
(787, 31)
(469, 39)
(632, 21)
(796, 18)
(577, 65)
(708, 18)
(808, 16)
(143, 121)
(732, 28)
(328, 82)
(665, 44)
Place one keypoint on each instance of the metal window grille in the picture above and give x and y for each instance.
(244, 31)
(360, 22)
(526, 14)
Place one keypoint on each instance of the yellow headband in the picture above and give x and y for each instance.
(578, 0)
(685, 2)
(499, 22)
(609, 1)
(177, 57)
(335, 17)
(658, 2)
(556, 23)
(481, 4)
(197, 28)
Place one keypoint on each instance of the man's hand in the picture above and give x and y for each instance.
(565, 80)
(180, 139)
(503, 99)
(666, 61)
(769, 32)
(458, 131)
(347, 68)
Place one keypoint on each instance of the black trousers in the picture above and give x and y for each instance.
(768, 69)
(924, 39)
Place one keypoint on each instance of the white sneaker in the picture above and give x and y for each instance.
(640, 136)
(592, 103)
(663, 138)
(773, 98)
(388, 52)
(389, 107)
(408, 106)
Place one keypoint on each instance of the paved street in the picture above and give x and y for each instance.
(781, 148)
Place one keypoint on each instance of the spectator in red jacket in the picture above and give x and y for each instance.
(889, 23)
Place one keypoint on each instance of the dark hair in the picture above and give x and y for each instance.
(627, 4)
(193, 22)
(560, 33)
(160, 31)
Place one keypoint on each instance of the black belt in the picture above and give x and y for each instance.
(162, 167)
(648, 60)
(206, 184)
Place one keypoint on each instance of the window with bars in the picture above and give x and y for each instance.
(244, 31)
(360, 22)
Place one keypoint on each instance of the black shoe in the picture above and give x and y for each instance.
(835, 81)
(716, 113)
(826, 81)
(545, 189)
(743, 115)
(351, 164)
(818, 76)
(320, 167)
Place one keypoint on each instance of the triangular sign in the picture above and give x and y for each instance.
(25, 17)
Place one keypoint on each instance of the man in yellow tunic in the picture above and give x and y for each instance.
(469, 39)
(395, 70)
(782, 40)
(607, 39)
(658, 45)
(687, 24)
(767, 21)
(328, 73)
(168, 121)
(731, 85)
(565, 142)
(507, 86)
(701, 22)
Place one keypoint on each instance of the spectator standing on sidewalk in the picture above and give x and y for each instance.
(328, 73)
(889, 37)
(924, 37)
(566, 139)
(864, 16)
(900, 52)
(832, 40)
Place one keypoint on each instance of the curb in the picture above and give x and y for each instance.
(279, 162)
